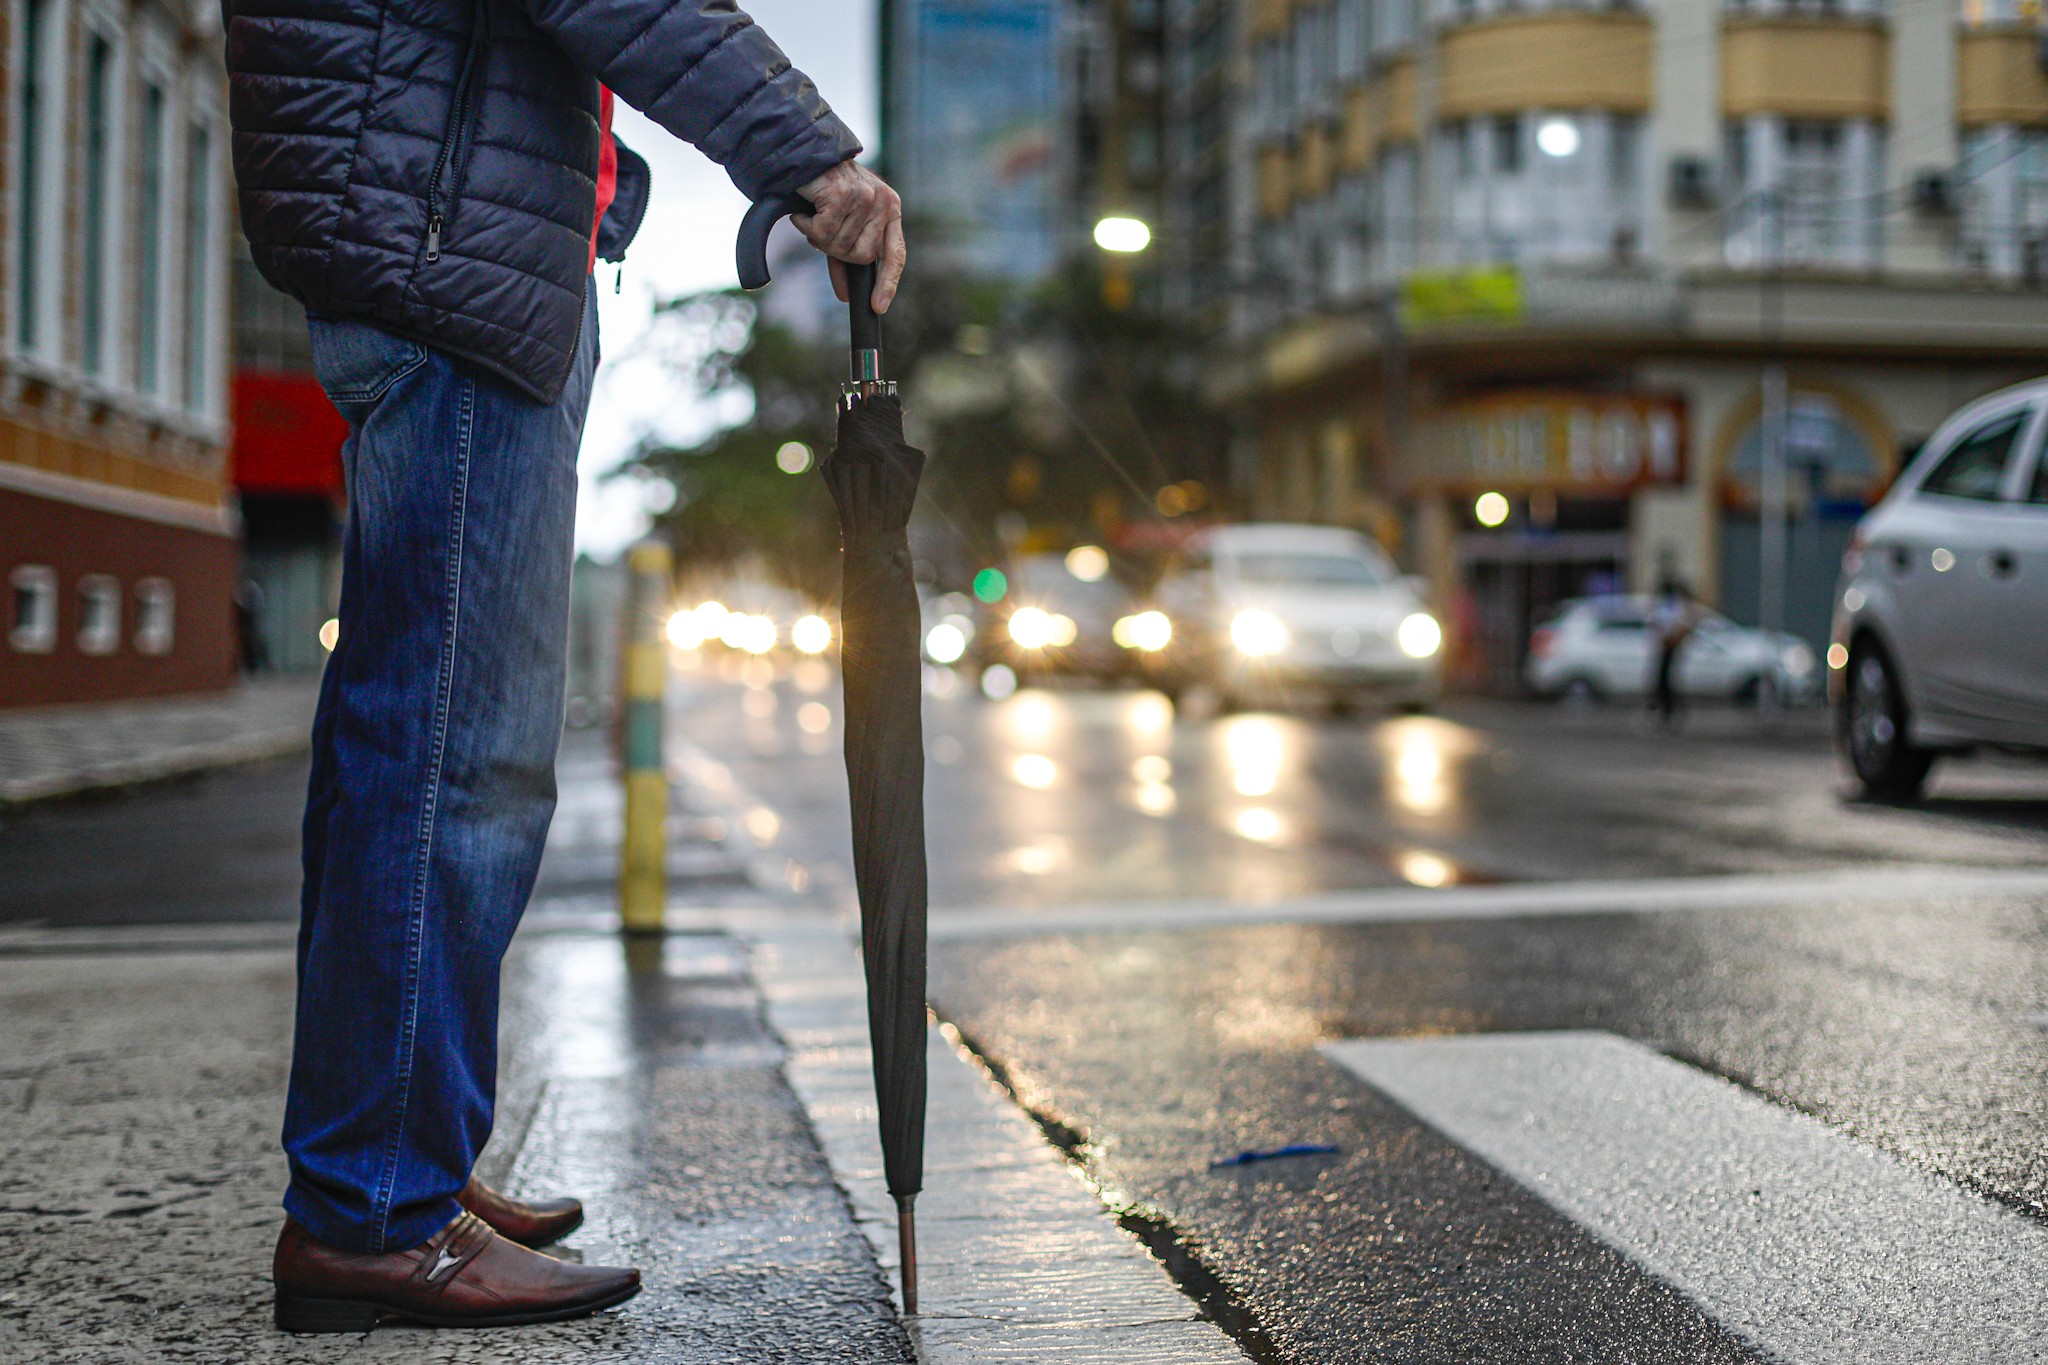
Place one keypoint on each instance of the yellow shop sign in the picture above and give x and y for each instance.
(1486, 294)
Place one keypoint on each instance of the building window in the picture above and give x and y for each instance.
(102, 84)
(199, 269)
(40, 134)
(1394, 209)
(32, 619)
(1393, 24)
(150, 186)
(1275, 90)
(1805, 191)
(1540, 186)
(1981, 13)
(1830, 458)
(99, 614)
(1624, 154)
(2004, 174)
(156, 603)
(1354, 37)
(1507, 144)
(1464, 151)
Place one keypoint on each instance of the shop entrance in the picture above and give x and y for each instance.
(1509, 581)
(1814, 546)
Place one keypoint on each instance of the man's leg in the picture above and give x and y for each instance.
(321, 789)
(434, 782)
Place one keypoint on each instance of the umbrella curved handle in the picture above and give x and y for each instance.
(751, 256)
(752, 248)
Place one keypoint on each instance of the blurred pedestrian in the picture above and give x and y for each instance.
(1674, 615)
(435, 181)
(255, 653)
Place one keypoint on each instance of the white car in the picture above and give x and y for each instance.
(1597, 647)
(1273, 611)
(1940, 640)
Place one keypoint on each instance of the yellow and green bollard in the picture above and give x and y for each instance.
(643, 871)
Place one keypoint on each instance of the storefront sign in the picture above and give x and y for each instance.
(287, 435)
(1564, 442)
(1486, 294)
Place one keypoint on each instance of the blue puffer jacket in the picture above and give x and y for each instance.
(431, 165)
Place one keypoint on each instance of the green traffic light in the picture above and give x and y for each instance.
(990, 585)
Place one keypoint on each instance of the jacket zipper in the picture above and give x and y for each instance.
(458, 123)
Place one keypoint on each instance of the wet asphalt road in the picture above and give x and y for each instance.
(1149, 1053)
(1151, 1049)
(1053, 797)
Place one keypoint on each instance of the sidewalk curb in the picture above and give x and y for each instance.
(50, 753)
(125, 774)
(1019, 1261)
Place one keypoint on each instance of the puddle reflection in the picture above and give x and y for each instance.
(1035, 771)
(1257, 749)
(1260, 825)
(1155, 799)
(1425, 869)
(1421, 755)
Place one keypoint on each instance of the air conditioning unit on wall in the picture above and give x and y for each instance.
(1934, 193)
(1691, 184)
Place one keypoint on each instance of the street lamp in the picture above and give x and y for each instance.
(1125, 236)
(1120, 236)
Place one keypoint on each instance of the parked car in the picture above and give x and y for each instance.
(1051, 621)
(1595, 648)
(1940, 640)
(1268, 611)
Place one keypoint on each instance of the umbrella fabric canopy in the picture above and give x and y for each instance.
(873, 475)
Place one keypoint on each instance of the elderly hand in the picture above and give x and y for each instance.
(858, 219)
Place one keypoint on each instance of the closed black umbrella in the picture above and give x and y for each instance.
(873, 477)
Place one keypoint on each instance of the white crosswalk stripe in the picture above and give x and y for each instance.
(1814, 1247)
(1866, 884)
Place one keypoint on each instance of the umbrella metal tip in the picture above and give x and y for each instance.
(906, 1244)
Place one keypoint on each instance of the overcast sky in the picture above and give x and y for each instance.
(685, 244)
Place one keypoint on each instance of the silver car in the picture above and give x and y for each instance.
(1594, 648)
(1940, 639)
(1272, 611)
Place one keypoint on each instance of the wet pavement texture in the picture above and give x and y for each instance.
(1914, 1030)
(56, 751)
(142, 1078)
(139, 1171)
(224, 846)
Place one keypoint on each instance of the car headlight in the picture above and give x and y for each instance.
(1797, 660)
(1419, 635)
(945, 643)
(1031, 628)
(758, 635)
(1259, 633)
(1150, 631)
(811, 634)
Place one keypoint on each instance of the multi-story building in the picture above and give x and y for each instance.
(1551, 249)
(975, 96)
(116, 524)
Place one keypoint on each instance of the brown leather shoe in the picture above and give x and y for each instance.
(530, 1225)
(465, 1276)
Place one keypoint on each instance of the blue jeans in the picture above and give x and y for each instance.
(433, 773)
